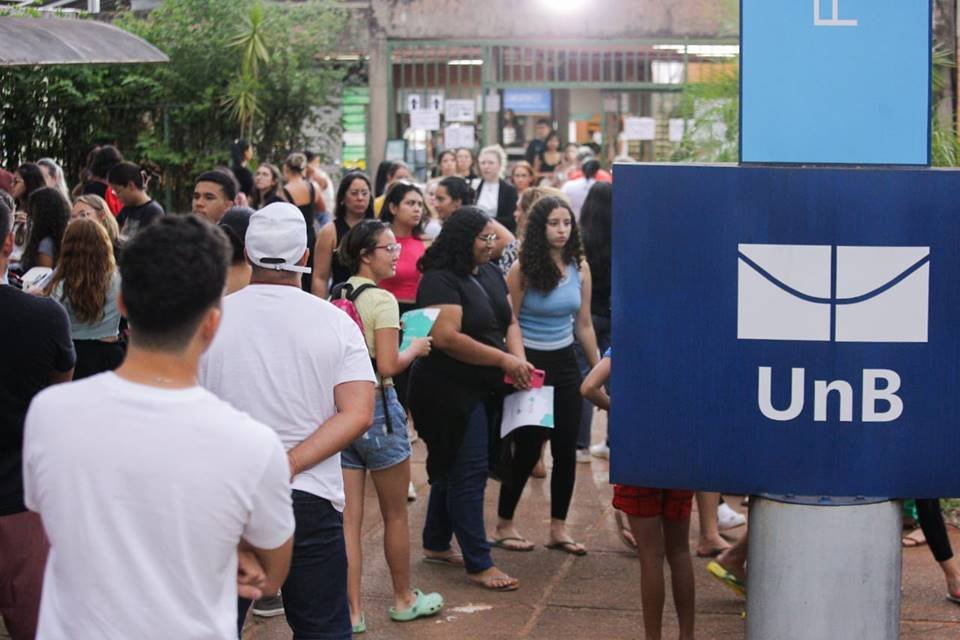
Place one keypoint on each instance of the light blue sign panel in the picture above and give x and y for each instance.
(835, 81)
(787, 330)
(526, 101)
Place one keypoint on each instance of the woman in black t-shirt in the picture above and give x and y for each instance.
(476, 341)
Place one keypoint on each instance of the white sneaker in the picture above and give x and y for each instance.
(600, 450)
(727, 518)
(583, 456)
(411, 492)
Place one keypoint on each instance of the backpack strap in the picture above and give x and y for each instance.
(353, 294)
(346, 290)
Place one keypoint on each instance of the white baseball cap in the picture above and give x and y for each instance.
(277, 238)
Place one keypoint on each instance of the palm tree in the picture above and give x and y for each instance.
(250, 40)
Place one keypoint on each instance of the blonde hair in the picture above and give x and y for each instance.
(104, 215)
(498, 151)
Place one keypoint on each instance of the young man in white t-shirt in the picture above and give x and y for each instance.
(148, 484)
(299, 364)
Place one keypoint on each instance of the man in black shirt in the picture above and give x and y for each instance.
(139, 209)
(35, 352)
(538, 144)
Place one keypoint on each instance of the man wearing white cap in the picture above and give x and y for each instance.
(300, 365)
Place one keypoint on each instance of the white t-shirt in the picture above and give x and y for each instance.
(278, 355)
(145, 493)
(577, 190)
(489, 198)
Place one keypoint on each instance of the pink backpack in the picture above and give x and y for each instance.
(342, 297)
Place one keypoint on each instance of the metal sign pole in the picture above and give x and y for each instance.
(824, 568)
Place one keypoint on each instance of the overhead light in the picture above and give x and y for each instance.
(564, 6)
(468, 62)
(347, 58)
(704, 50)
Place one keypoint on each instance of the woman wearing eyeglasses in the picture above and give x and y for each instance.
(371, 253)
(476, 341)
(550, 285)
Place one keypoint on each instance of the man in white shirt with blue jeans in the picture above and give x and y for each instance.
(300, 365)
(147, 484)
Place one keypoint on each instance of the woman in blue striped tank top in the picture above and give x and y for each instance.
(550, 287)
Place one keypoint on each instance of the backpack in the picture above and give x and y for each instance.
(343, 296)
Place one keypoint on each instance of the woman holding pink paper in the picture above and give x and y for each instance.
(550, 286)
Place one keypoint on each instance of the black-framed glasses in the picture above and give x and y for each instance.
(393, 247)
(489, 239)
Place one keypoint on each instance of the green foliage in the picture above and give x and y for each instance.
(712, 112)
(237, 67)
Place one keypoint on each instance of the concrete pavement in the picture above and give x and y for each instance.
(595, 596)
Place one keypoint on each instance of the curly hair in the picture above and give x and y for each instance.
(537, 266)
(395, 195)
(453, 248)
(49, 214)
(85, 268)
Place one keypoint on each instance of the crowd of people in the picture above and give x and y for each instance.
(235, 374)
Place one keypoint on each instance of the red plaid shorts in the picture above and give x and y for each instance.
(642, 502)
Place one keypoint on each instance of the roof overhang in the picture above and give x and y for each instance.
(48, 40)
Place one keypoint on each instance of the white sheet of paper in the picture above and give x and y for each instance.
(460, 111)
(676, 129)
(425, 120)
(455, 136)
(639, 129)
(525, 408)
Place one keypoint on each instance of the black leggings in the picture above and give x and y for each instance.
(525, 443)
(934, 530)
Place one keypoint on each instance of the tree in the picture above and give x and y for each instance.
(180, 115)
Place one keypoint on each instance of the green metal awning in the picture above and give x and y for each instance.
(29, 41)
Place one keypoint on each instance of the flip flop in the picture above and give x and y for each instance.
(910, 542)
(626, 534)
(487, 583)
(501, 543)
(426, 604)
(453, 560)
(568, 546)
(729, 580)
(713, 553)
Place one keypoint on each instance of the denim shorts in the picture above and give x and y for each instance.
(377, 449)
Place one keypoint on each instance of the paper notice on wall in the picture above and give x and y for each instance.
(460, 111)
(526, 408)
(460, 135)
(676, 129)
(639, 129)
(425, 120)
(435, 101)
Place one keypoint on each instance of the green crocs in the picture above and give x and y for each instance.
(361, 627)
(426, 604)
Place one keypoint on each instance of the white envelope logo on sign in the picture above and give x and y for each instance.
(824, 293)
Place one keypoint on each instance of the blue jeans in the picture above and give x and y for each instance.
(380, 447)
(601, 326)
(456, 501)
(315, 592)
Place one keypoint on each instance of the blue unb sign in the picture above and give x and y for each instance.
(787, 330)
(835, 81)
